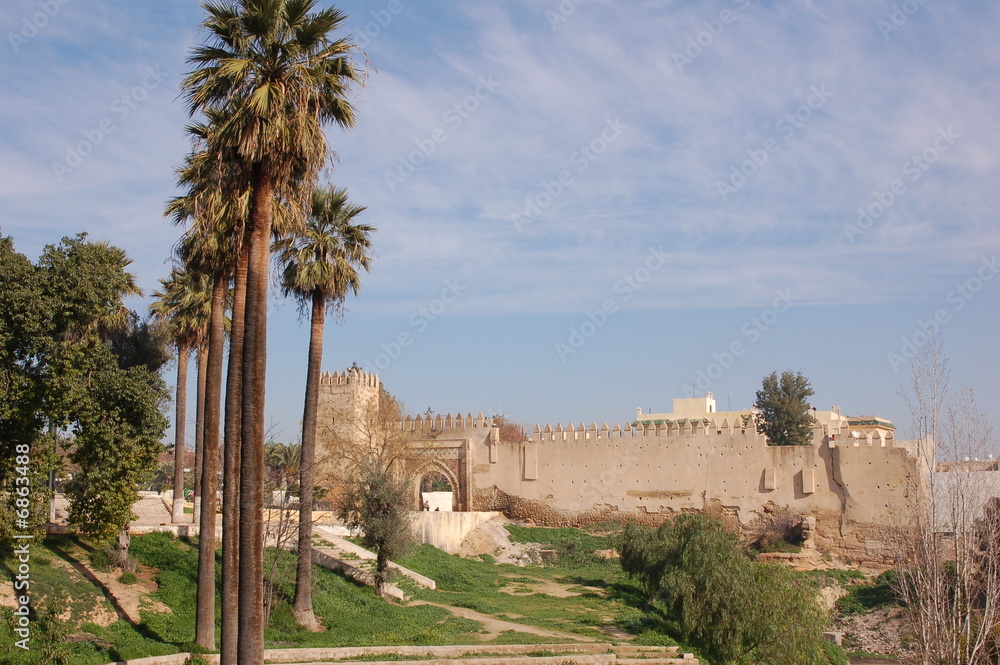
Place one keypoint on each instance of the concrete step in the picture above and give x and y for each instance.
(629, 651)
(577, 659)
(344, 545)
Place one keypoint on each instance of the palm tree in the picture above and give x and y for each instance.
(273, 77)
(216, 203)
(320, 268)
(172, 304)
(210, 185)
(207, 252)
(283, 462)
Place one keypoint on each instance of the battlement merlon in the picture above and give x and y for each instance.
(441, 423)
(350, 376)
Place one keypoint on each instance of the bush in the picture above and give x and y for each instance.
(713, 596)
(128, 578)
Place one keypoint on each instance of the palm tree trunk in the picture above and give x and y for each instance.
(302, 605)
(205, 606)
(250, 649)
(231, 465)
(199, 428)
(180, 417)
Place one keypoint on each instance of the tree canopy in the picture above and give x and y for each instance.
(77, 366)
(783, 409)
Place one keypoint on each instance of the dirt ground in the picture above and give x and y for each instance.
(492, 538)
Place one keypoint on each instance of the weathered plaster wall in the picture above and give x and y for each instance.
(853, 486)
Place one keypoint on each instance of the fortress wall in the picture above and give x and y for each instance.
(581, 474)
(590, 473)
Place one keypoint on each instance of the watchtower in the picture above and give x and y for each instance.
(343, 400)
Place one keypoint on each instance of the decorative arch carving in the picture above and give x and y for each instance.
(447, 468)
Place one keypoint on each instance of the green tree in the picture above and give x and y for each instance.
(270, 77)
(85, 368)
(375, 502)
(714, 597)
(25, 343)
(321, 267)
(783, 409)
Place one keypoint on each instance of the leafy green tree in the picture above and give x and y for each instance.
(714, 597)
(117, 430)
(24, 344)
(375, 502)
(321, 266)
(783, 409)
(84, 368)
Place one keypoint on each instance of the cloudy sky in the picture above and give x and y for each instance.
(582, 207)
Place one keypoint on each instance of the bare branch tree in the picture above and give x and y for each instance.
(948, 549)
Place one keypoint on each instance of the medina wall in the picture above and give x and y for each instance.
(571, 476)
(855, 487)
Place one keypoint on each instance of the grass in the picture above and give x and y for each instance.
(477, 586)
(866, 597)
(353, 614)
(356, 617)
(845, 578)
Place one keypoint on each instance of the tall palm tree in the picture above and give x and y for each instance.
(320, 268)
(173, 305)
(207, 252)
(216, 203)
(211, 185)
(275, 77)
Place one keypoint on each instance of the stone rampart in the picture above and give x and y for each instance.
(583, 474)
(855, 483)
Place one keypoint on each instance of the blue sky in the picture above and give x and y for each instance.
(582, 208)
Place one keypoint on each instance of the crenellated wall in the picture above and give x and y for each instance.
(586, 473)
(574, 474)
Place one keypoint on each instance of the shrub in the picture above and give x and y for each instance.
(713, 596)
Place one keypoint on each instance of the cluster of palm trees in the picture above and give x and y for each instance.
(268, 79)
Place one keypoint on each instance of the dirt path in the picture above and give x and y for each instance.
(496, 626)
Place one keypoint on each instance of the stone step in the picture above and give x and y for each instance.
(629, 651)
(443, 652)
(577, 659)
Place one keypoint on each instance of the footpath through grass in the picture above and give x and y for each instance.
(583, 593)
(355, 616)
